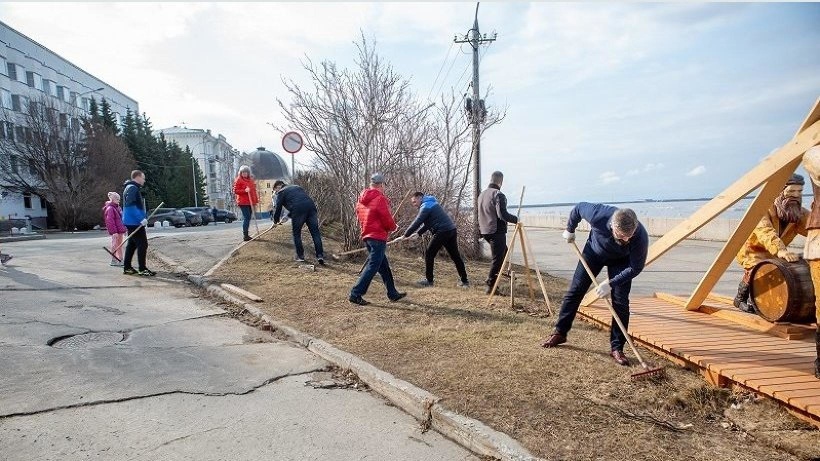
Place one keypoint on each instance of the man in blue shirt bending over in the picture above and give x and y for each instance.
(616, 241)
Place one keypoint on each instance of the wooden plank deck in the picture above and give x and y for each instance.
(725, 352)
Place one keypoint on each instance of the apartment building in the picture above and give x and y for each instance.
(29, 71)
(217, 159)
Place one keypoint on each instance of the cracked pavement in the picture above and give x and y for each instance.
(185, 382)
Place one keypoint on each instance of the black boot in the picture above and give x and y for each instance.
(742, 298)
(817, 360)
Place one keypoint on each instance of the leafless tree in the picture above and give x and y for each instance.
(367, 119)
(49, 151)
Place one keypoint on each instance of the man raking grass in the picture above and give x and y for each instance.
(618, 242)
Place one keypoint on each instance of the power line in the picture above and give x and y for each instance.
(161, 166)
(443, 80)
(443, 63)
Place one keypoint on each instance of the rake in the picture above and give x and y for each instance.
(114, 251)
(648, 371)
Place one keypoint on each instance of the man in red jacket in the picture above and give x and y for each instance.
(373, 211)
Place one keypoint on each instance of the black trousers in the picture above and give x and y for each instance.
(448, 240)
(498, 249)
(138, 242)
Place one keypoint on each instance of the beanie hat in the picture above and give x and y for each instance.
(795, 180)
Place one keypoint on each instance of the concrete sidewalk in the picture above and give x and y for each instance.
(97, 365)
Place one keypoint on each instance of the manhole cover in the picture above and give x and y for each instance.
(89, 340)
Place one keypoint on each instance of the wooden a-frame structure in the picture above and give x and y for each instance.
(770, 175)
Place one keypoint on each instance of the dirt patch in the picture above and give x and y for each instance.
(571, 402)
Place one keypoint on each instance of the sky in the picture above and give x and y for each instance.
(604, 101)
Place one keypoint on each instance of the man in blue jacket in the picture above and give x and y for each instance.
(432, 217)
(134, 218)
(616, 241)
(302, 211)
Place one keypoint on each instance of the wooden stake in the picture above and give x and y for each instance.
(522, 238)
(512, 290)
(540, 280)
(503, 264)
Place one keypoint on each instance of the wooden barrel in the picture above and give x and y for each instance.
(783, 291)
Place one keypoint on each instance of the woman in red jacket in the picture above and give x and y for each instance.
(245, 190)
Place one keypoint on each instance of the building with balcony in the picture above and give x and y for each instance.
(28, 72)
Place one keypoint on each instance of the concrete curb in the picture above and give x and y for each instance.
(177, 267)
(21, 238)
(415, 401)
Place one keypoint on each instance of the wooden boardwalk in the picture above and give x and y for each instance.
(725, 352)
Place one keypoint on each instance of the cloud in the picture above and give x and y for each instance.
(697, 171)
(648, 168)
(609, 177)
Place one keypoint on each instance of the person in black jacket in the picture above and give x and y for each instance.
(432, 217)
(302, 211)
(492, 222)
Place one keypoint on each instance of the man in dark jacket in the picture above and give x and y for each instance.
(616, 241)
(373, 212)
(492, 222)
(134, 218)
(302, 210)
(432, 217)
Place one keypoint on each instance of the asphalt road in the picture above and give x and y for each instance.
(98, 365)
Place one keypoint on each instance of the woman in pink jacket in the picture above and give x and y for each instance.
(114, 225)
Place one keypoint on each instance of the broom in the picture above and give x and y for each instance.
(648, 371)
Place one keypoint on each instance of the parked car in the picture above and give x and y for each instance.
(175, 217)
(204, 213)
(225, 216)
(192, 218)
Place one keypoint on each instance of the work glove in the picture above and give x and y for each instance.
(788, 255)
(144, 223)
(603, 289)
(568, 236)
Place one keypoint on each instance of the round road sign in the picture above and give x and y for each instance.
(292, 142)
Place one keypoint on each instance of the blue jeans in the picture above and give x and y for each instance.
(298, 218)
(246, 216)
(580, 285)
(376, 262)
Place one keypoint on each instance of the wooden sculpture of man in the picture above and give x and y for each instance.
(811, 252)
(772, 236)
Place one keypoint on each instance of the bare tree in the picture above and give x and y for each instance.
(49, 151)
(358, 122)
(366, 119)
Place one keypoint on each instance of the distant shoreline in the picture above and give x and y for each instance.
(626, 202)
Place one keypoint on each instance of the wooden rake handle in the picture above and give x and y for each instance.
(138, 228)
(609, 305)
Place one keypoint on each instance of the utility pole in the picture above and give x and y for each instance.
(476, 112)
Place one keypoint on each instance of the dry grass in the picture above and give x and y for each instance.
(566, 403)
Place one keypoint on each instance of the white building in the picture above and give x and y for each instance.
(28, 70)
(216, 158)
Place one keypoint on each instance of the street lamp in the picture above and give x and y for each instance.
(193, 179)
(91, 91)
